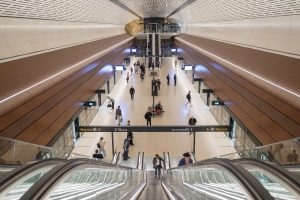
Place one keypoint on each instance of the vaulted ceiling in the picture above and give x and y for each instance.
(124, 11)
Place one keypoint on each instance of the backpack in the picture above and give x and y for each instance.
(98, 145)
(187, 96)
(146, 116)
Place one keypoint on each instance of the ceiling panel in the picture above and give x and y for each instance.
(92, 11)
(202, 11)
(153, 8)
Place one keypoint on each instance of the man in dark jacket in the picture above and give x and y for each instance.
(119, 115)
(131, 91)
(168, 79)
(130, 133)
(148, 117)
(192, 122)
(157, 164)
(126, 148)
(175, 79)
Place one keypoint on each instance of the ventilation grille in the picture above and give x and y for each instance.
(92, 11)
(202, 11)
(153, 8)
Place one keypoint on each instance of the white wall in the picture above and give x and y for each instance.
(278, 34)
(20, 36)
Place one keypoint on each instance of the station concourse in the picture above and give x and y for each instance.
(63, 63)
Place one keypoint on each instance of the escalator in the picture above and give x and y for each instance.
(208, 179)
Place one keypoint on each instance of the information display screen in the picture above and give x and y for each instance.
(119, 67)
(188, 67)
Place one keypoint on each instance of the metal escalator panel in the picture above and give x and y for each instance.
(87, 183)
(6, 168)
(206, 181)
(294, 169)
(17, 189)
(86, 179)
(276, 186)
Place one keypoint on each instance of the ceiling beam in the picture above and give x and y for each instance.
(185, 4)
(121, 5)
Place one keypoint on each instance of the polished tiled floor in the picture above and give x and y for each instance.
(176, 113)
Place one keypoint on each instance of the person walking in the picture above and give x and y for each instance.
(158, 84)
(189, 98)
(127, 77)
(119, 115)
(157, 165)
(148, 117)
(101, 145)
(130, 134)
(131, 92)
(186, 160)
(168, 79)
(111, 102)
(175, 79)
(192, 122)
(126, 148)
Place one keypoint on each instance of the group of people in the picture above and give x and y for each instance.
(158, 163)
(174, 78)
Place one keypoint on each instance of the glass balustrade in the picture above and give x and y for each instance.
(283, 153)
(18, 152)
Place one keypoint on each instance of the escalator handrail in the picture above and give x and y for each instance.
(169, 160)
(250, 183)
(113, 157)
(44, 185)
(280, 172)
(143, 154)
(165, 166)
(118, 157)
(13, 176)
(138, 160)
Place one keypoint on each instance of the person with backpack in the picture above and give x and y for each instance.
(130, 133)
(131, 92)
(111, 103)
(148, 117)
(189, 98)
(157, 165)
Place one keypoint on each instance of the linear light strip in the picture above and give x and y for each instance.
(240, 68)
(63, 71)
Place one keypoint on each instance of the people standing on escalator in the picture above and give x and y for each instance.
(186, 160)
(157, 165)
